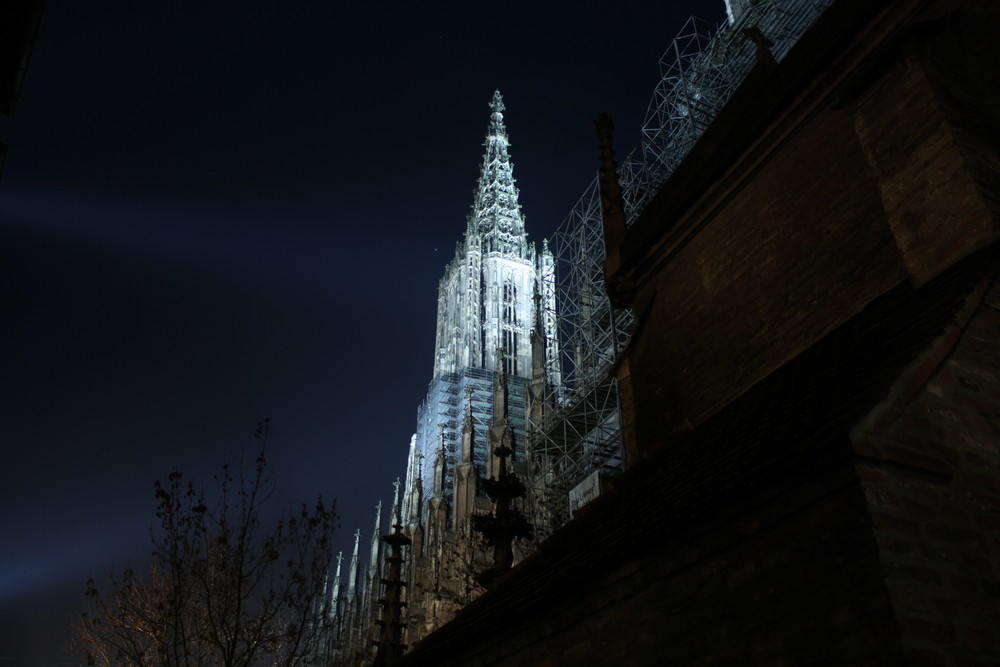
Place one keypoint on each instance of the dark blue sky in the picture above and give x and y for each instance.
(217, 212)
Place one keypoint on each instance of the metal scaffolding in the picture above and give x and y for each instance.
(699, 72)
(441, 417)
(578, 432)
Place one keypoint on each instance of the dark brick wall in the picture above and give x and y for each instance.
(901, 186)
(932, 202)
(784, 574)
(799, 250)
(929, 461)
(789, 580)
(891, 180)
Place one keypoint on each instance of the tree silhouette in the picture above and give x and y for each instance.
(223, 589)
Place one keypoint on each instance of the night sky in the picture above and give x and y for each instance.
(216, 212)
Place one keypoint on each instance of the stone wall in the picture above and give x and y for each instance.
(929, 461)
(731, 587)
(889, 178)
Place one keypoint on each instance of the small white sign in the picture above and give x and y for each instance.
(591, 487)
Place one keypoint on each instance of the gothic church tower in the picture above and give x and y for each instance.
(496, 294)
(485, 300)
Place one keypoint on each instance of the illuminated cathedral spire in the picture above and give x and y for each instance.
(496, 212)
(485, 297)
(486, 314)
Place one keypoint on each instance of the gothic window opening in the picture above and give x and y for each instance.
(509, 302)
(510, 352)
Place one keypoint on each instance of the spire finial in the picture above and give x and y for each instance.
(373, 560)
(335, 594)
(397, 521)
(497, 103)
(352, 582)
(497, 128)
(496, 224)
(439, 461)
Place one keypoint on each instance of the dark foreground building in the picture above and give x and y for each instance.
(811, 394)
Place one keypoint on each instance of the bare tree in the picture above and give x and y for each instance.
(223, 590)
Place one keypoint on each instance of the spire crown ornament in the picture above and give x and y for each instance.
(496, 118)
(496, 217)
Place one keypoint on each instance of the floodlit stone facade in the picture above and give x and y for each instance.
(496, 305)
